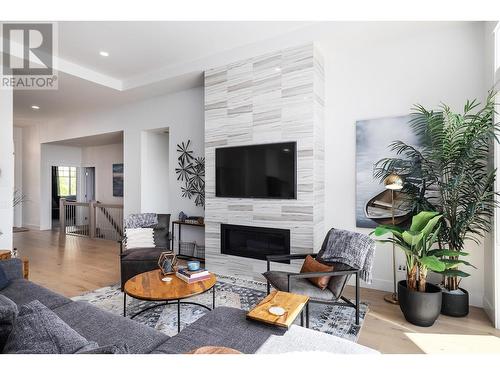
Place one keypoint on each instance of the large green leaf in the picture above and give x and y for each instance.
(454, 272)
(450, 263)
(429, 227)
(433, 263)
(434, 237)
(412, 238)
(419, 221)
(446, 253)
(385, 229)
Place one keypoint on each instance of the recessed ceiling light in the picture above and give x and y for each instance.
(104, 53)
(35, 107)
(277, 69)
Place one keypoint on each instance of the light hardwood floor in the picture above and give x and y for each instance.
(74, 265)
(71, 265)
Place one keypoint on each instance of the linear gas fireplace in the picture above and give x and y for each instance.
(254, 242)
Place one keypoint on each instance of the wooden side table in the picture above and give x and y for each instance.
(6, 254)
(293, 304)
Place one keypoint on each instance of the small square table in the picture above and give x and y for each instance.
(292, 303)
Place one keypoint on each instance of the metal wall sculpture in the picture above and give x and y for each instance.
(191, 172)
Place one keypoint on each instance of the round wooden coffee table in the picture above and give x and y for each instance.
(148, 286)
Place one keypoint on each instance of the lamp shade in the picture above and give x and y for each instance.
(393, 182)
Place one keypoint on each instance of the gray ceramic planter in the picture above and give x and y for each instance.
(420, 308)
(456, 305)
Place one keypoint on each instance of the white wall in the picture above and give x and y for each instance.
(155, 172)
(18, 174)
(489, 258)
(492, 282)
(382, 73)
(102, 159)
(6, 169)
(31, 177)
(181, 113)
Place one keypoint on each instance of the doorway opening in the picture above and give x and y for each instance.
(64, 185)
(88, 184)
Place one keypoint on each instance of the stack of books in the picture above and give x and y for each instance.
(192, 276)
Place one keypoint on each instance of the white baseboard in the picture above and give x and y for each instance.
(489, 309)
(32, 226)
(378, 284)
(476, 299)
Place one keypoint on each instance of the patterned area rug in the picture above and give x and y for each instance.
(231, 292)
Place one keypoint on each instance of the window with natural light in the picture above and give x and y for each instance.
(66, 181)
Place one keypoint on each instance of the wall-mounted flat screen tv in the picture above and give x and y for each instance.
(257, 171)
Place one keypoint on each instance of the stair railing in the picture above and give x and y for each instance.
(91, 219)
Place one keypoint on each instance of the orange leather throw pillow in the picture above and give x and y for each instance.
(312, 265)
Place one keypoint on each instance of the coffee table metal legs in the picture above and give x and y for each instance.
(178, 316)
(179, 302)
(149, 308)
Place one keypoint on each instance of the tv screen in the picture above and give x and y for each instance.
(257, 171)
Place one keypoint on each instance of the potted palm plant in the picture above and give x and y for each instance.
(419, 300)
(449, 173)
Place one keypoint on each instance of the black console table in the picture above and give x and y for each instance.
(180, 224)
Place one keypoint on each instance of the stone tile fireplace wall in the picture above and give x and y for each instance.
(277, 97)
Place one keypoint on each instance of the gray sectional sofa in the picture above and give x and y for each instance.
(221, 327)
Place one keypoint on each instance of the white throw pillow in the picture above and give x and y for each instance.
(139, 237)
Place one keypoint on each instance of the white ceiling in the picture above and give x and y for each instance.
(94, 140)
(145, 59)
(136, 48)
(76, 95)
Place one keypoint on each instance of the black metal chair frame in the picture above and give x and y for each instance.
(307, 275)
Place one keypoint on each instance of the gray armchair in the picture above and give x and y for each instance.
(139, 260)
(298, 283)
